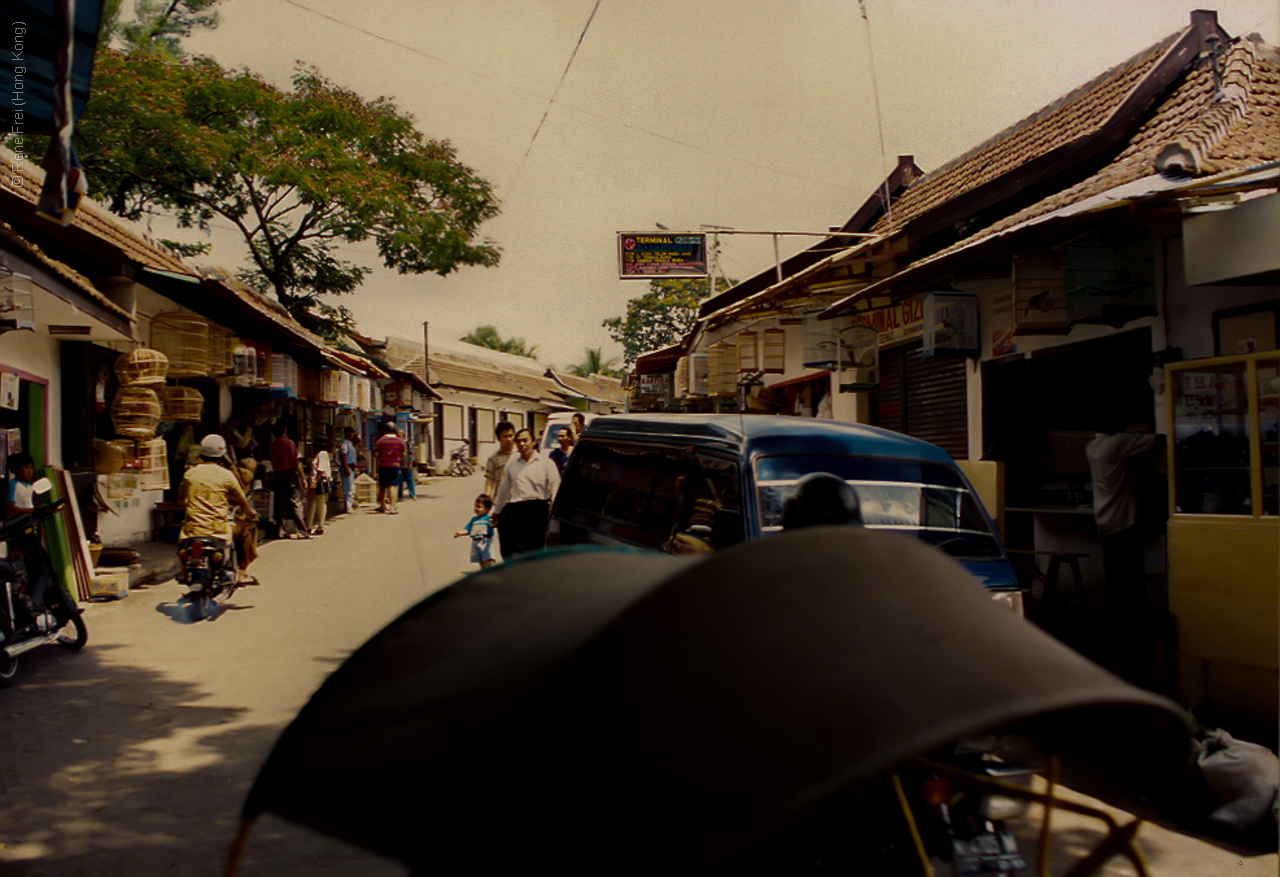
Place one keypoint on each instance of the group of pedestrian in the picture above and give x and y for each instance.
(519, 484)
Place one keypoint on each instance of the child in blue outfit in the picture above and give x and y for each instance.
(481, 532)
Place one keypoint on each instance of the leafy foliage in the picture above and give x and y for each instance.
(299, 173)
(660, 317)
(156, 26)
(594, 363)
(488, 336)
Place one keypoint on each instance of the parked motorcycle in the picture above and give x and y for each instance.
(460, 462)
(26, 624)
(208, 571)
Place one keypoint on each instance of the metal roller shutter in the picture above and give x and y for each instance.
(924, 397)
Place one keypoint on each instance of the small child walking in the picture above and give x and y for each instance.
(481, 532)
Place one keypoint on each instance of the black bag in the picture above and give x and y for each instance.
(323, 485)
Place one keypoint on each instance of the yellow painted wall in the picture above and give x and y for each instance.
(987, 478)
(1224, 591)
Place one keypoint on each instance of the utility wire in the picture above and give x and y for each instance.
(648, 132)
(555, 93)
(875, 94)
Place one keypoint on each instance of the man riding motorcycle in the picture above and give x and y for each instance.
(209, 490)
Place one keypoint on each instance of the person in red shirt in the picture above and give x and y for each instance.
(389, 450)
(287, 478)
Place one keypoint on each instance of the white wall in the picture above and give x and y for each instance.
(38, 354)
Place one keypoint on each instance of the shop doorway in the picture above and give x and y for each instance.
(1040, 411)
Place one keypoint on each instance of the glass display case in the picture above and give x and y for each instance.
(1225, 422)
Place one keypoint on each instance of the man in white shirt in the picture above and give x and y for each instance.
(1116, 508)
(523, 505)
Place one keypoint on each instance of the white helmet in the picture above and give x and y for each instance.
(213, 447)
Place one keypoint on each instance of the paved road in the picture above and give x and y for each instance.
(134, 756)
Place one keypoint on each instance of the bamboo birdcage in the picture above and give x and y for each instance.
(128, 451)
(153, 465)
(222, 351)
(143, 367)
(184, 338)
(182, 404)
(329, 385)
(135, 412)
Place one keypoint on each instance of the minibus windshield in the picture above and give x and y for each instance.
(925, 500)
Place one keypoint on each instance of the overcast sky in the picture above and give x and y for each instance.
(752, 114)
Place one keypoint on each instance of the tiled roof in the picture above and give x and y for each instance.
(74, 278)
(1203, 124)
(24, 180)
(1212, 131)
(1079, 114)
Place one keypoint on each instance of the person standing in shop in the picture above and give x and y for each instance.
(347, 467)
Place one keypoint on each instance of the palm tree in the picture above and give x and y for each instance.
(594, 363)
(488, 336)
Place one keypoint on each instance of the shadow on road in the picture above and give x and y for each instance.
(89, 748)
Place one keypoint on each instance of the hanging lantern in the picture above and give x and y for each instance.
(184, 338)
(135, 412)
(182, 404)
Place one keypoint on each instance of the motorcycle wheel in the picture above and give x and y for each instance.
(73, 634)
(201, 607)
(8, 670)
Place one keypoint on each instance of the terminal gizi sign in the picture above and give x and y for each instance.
(645, 255)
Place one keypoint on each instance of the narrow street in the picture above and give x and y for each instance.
(134, 756)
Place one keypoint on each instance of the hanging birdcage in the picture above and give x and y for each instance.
(184, 338)
(127, 449)
(222, 351)
(142, 367)
(135, 412)
(182, 404)
(153, 465)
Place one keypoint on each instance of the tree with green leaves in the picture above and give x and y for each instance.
(156, 26)
(298, 172)
(488, 336)
(594, 363)
(660, 317)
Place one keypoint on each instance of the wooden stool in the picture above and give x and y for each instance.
(1050, 576)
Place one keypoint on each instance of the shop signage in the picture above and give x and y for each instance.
(894, 325)
(647, 254)
(655, 385)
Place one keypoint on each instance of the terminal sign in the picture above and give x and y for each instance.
(647, 255)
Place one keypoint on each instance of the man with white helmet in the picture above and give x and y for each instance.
(209, 490)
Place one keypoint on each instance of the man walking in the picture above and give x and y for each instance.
(287, 479)
(505, 433)
(389, 451)
(523, 505)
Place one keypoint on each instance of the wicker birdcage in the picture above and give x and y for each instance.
(107, 458)
(143, 367)
(135, 412)
(182, 404)
(184, 338)
(127, 449)
(153, 465)
(222, 351)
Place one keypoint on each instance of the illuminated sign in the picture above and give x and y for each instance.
(648, 254)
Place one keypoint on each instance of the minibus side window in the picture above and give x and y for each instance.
(629, 492)
(710, 508)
